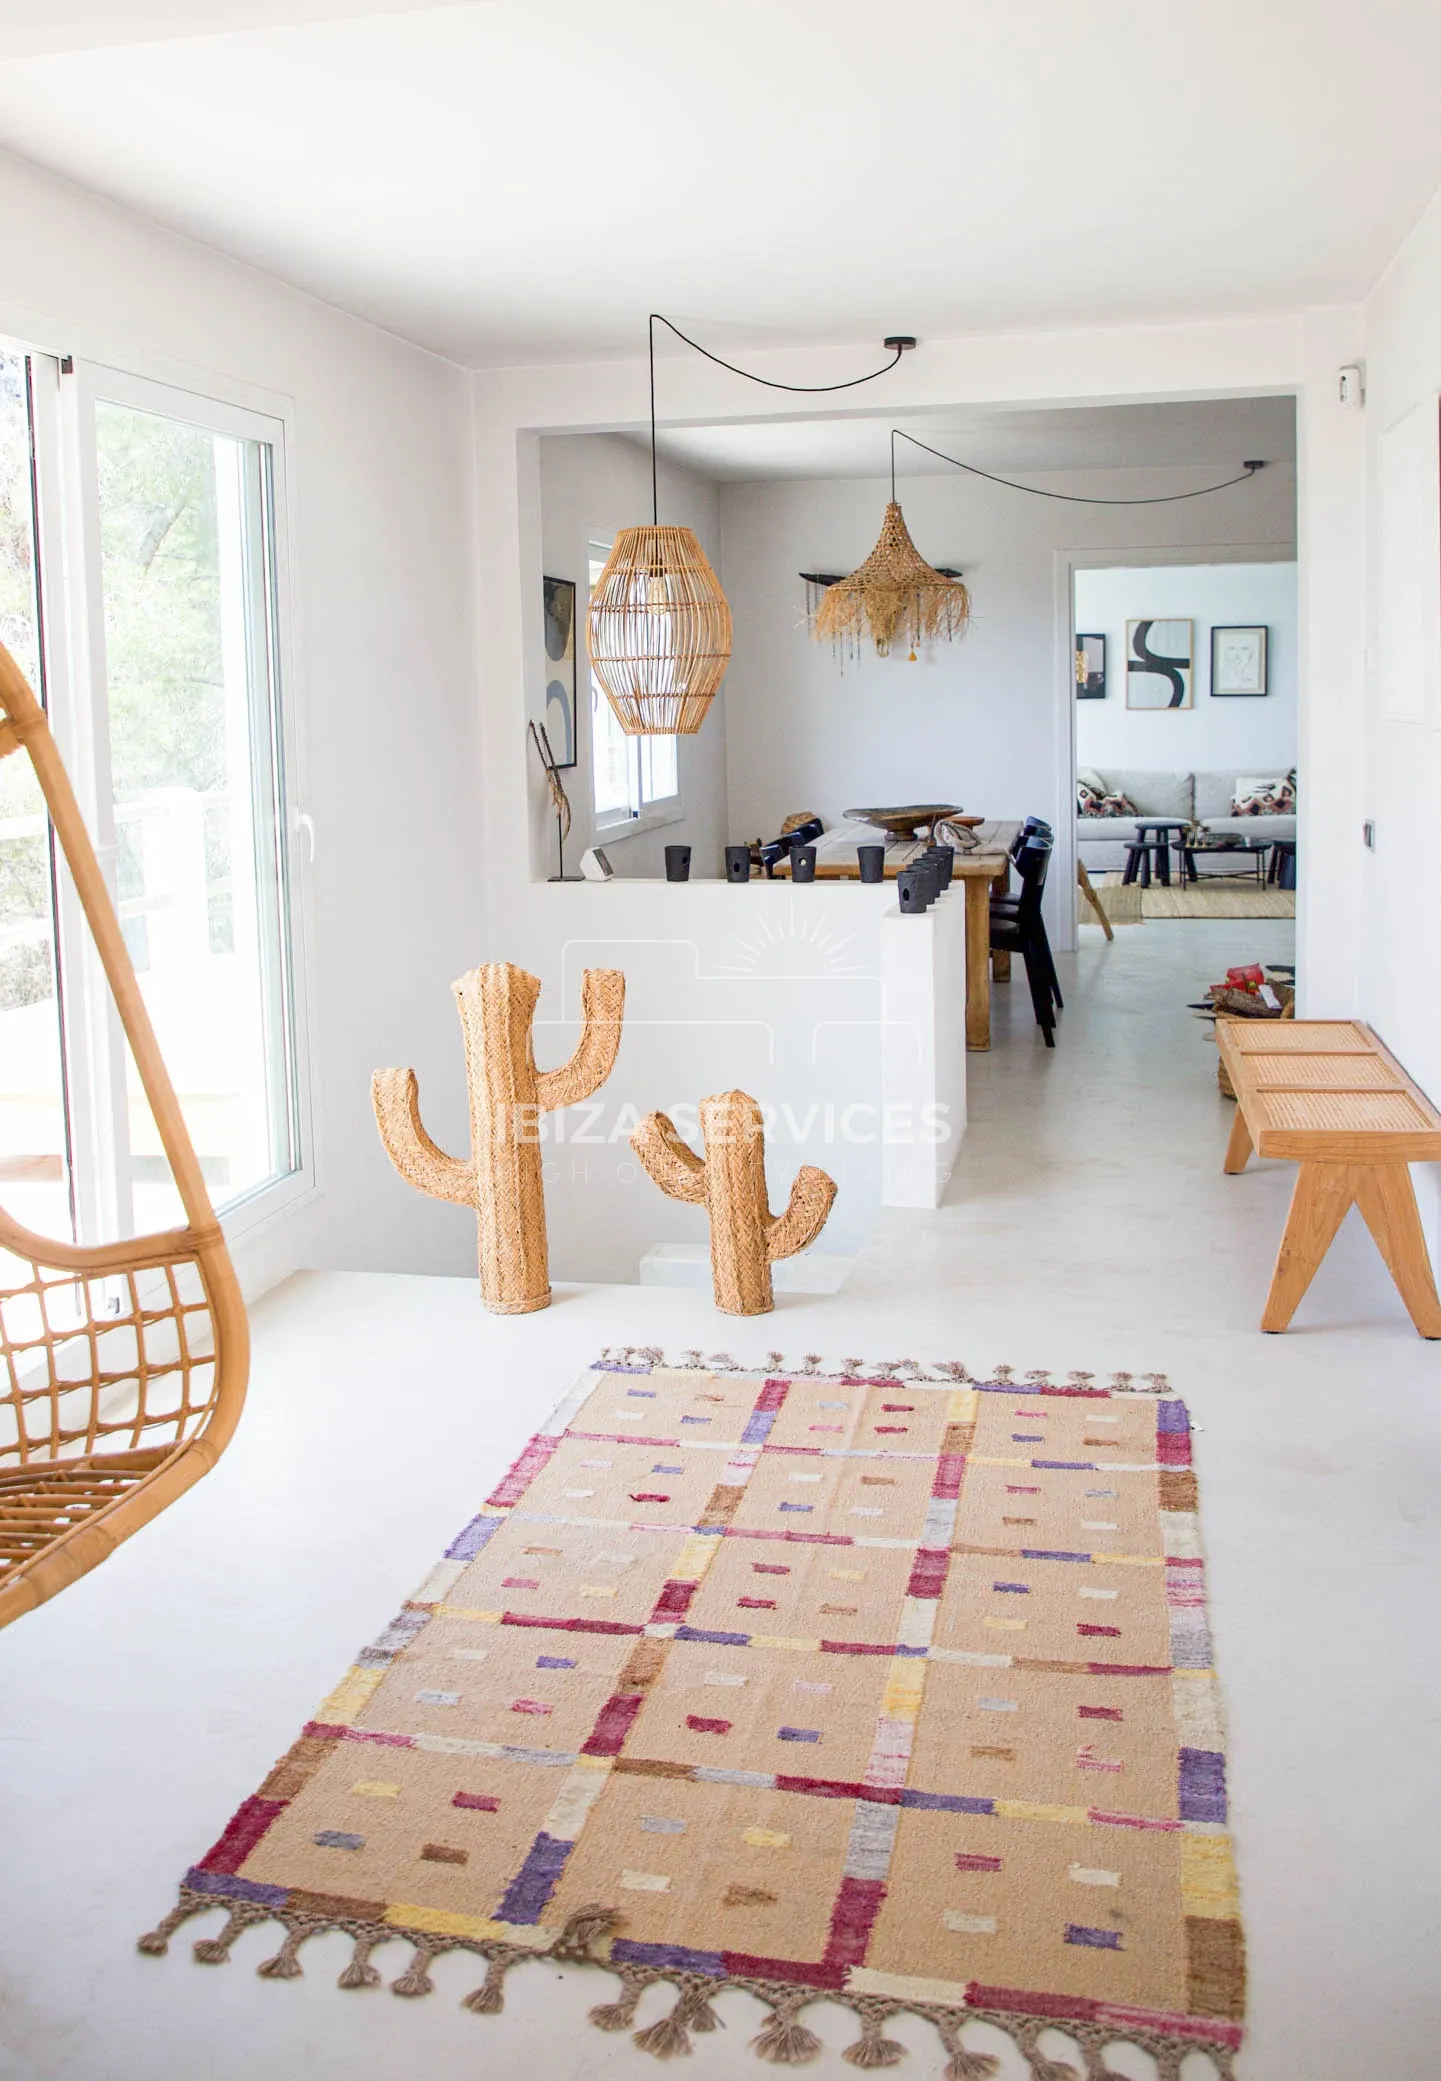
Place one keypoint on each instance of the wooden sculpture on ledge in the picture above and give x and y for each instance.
(125, 1363)
(508, 1094)
(730, 1182)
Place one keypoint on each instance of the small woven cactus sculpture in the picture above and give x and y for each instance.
(730, 1182)
(508, 1094)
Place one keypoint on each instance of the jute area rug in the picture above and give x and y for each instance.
(884, 1686)
(1218, 896)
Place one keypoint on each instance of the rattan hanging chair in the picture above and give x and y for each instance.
(125, 1365)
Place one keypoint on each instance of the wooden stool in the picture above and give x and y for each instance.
(1325, 1093)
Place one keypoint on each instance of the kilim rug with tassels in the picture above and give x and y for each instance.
(882, 1686)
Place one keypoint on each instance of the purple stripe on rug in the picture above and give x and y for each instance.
(469, 1543)
(1097, 1939)
(675, 1956)
(225, 1886)
(529, 1891)
(712, 1639)
(1172, 1416)
(1067, 1466)
(1039, 1553)
(947, 1802)
(1201, 1786)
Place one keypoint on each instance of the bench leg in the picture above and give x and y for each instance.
(1324, 1192)
(1387, 1200)
(1093, 899)
(1240, 1145)
(1001, 964)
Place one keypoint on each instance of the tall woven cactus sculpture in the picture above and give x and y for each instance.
(508, 1094)
(730, 1182)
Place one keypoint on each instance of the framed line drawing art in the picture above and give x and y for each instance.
(1090, 668)
(560, 668)
(1159, 669)
(1238, 663)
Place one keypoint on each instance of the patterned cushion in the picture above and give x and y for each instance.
(1263, 797)
(1089, 804)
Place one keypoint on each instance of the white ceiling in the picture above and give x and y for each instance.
(523, 179)
(1213, 437)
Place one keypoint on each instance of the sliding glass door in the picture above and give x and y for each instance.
(152, 542)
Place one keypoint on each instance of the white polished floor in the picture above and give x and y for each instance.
(1089, 1227)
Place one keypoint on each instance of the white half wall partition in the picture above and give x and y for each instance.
(844, 1020)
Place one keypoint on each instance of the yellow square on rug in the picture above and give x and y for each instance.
(883, 1686)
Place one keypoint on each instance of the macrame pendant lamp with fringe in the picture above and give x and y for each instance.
(895, 595)
(659, 632)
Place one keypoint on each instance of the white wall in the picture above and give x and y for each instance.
(1397, 984)
(382, 689)
(592, 486)
(1230, 736)
(982, 721)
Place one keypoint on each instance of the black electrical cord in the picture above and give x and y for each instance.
(1070, 498)
(898, 341)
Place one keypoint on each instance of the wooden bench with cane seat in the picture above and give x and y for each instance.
(1327, 1095)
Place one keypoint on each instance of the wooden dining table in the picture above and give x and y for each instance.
(983, 871)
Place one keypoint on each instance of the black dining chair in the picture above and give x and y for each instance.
(1017, 927)
(1033, 827)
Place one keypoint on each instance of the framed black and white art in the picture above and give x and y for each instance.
(1238, 663)
(1158, 664)
(560, 669)
(1090, 668)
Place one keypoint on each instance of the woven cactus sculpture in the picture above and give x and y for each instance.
(730, 1182)
(502, 1177)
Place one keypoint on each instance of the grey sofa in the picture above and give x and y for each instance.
(1201, 798)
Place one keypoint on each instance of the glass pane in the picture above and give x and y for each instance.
(34, 1141)
(612, 760)
(184, 531)
(659, 771)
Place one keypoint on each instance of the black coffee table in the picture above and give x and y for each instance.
(1254, 849)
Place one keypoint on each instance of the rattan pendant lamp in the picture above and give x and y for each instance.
(658, 628)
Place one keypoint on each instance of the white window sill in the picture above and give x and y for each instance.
(654, 819)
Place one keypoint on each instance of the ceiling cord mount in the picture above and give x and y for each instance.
(899, 343)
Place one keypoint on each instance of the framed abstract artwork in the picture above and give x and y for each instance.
(1238, 663)
(1090, 668)
(560, 668)
(1159, 664)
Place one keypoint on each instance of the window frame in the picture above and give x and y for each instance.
(74, 637)
(640, 814)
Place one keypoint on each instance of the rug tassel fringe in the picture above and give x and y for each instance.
(963, 2065)
(785, 2040)
(620, 2015)
(489, 1999)
(584, 1928)
(667, 2039)
(360, 1972)
(215, 1950)
(156, 1942)
(699, 2013)
(285, 1965)
(415, 1980)
(872, 2048)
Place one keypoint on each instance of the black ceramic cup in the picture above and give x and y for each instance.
(911, 892)
(803, 863)
(677, 863)
(738, 863)
(930, 878)
(873, 862)
(945, 858)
